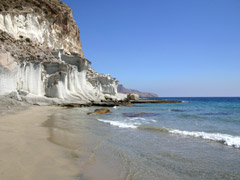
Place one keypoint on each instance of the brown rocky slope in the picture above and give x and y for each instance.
(122, 89)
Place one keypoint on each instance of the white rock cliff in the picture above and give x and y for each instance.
(41, 57)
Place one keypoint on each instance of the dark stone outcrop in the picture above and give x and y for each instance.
(154, 101)
(100, 111)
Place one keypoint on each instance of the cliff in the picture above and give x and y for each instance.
(48, 22)
(122, 89)
(41, 57)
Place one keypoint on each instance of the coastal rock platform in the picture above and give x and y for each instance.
(154, 101)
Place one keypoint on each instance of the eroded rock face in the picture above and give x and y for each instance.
(102, 82)
(48, 22)
(41, 59)
(8, 72)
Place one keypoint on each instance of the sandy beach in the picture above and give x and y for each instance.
(25, 152)
(55, 143)
(41, 143)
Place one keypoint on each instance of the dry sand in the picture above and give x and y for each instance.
(25, 152)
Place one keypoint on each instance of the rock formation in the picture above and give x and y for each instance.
(47, 22)
(41, 58)
(132, 96)
(122, 89)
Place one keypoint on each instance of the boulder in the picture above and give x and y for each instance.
(132, 96)
(107, 96)
(100, 111)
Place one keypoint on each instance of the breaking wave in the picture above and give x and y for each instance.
(119, 124)
(222, 138)
(226, 139)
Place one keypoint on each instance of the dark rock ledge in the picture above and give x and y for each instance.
(120, 103)
(153, 101)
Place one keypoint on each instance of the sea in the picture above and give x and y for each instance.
(198, 139)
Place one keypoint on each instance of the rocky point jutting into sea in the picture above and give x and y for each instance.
(41, 57)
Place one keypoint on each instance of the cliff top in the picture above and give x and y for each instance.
(58, 14)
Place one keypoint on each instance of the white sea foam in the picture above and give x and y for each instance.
(136, 118)
(224, 138)
(115, 107)
(119, 124)
(139, 120)
(153, 120)
(134, 123)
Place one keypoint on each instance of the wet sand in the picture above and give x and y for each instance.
(54, 143)
(86, 143)
(25, 152)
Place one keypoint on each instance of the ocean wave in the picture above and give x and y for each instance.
(226, 139)
(136, 118)
(222, 138)
(119, 124)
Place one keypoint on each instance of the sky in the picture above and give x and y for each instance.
(175, 48)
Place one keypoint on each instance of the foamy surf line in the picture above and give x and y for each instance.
(226, 139)
(119, 124)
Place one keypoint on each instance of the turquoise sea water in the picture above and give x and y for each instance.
(216, 119)
(197, 139)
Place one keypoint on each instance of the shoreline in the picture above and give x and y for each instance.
(26, 153)
(52, 142)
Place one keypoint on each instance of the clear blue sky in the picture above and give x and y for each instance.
(170, 47)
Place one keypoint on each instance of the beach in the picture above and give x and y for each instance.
(197, 139)
(35, 145)
(147, 96)
(25, 152)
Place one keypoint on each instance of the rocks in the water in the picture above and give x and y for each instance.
(100, 111)
(154, 101)
(176, 110)
(141, 114)
(132, 96)
(215, 113)
(125, 103)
